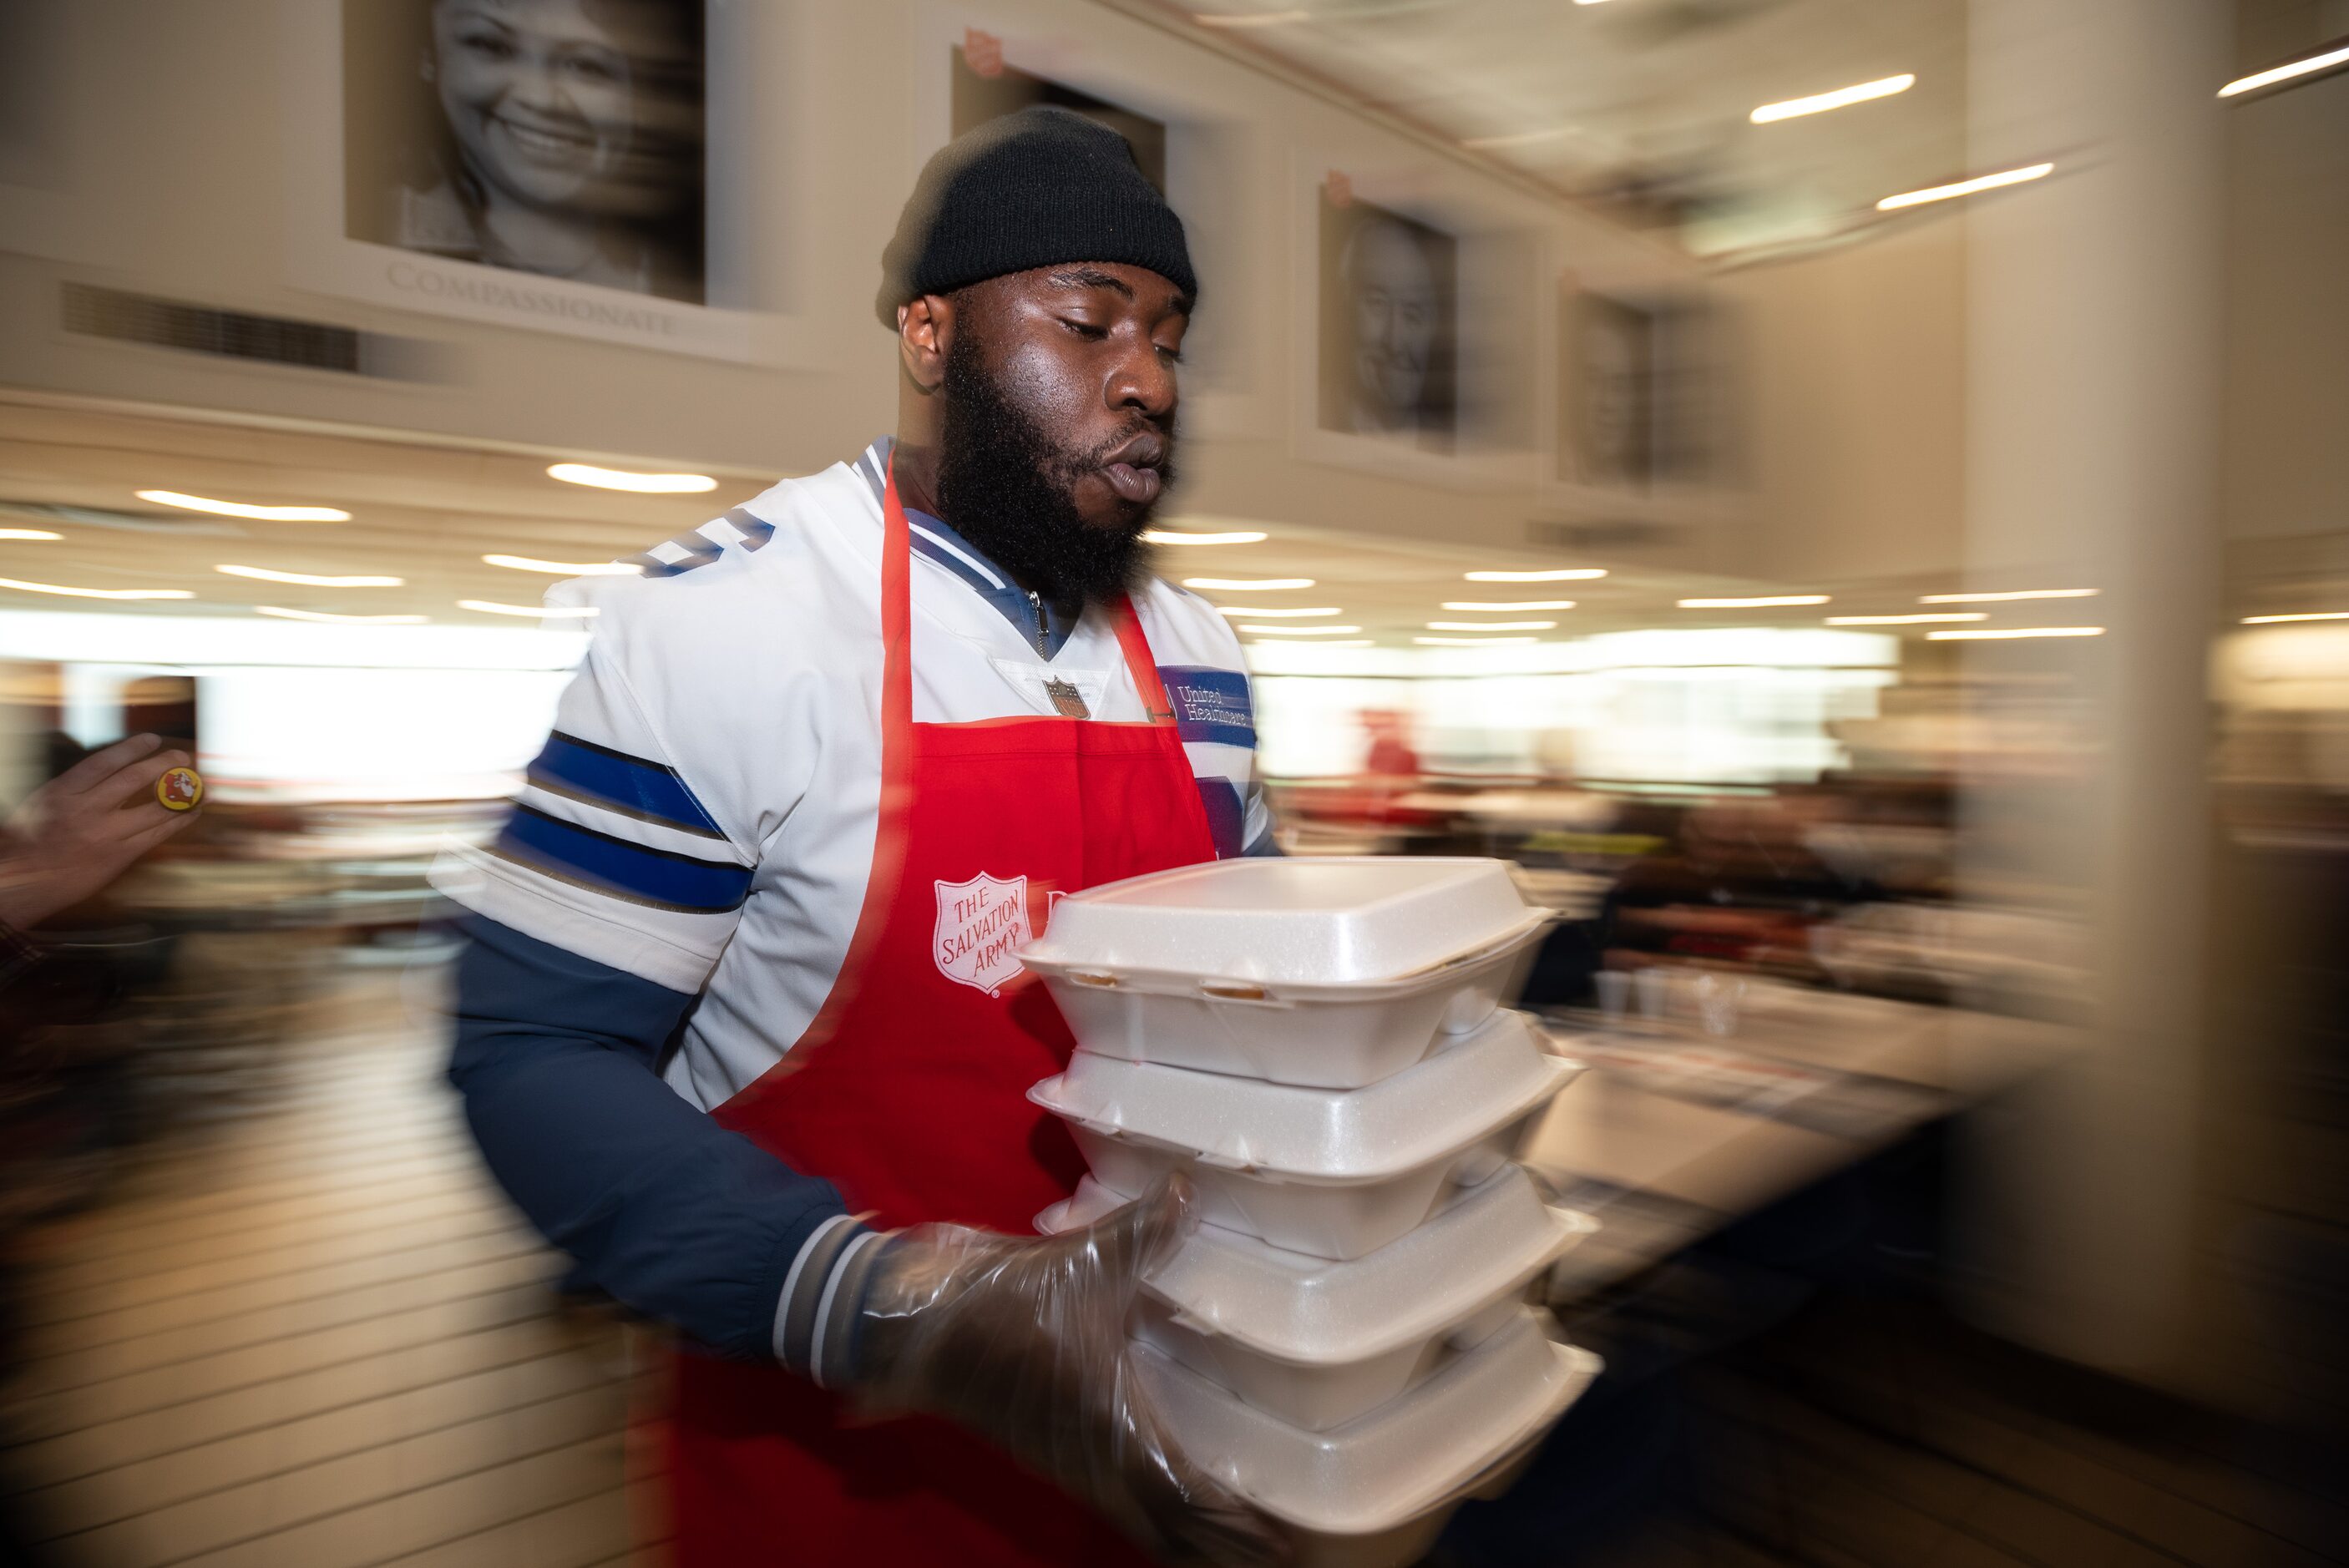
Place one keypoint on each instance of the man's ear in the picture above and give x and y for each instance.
(925, 331)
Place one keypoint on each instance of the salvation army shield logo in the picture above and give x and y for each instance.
(982, 926)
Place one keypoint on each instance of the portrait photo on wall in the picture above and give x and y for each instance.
(564, 138)
(1607, 390)
(986, 88)
(1389, 328)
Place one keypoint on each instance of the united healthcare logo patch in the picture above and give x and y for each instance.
(982, 926)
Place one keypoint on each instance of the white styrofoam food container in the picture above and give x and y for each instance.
(1318, 1343)
(1334, 1173)
(1329, 972)
(1375, 1493)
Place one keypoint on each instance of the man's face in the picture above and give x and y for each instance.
(1394, 303)
(1058, 424)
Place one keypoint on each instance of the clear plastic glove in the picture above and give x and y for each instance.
(1022, 1340)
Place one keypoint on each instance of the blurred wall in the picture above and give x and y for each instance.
(167, 155)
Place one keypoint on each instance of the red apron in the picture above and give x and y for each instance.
(909, 1092)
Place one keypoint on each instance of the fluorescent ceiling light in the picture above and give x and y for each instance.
(1352, 642)
(566, 568)
(28, 533)
(95, 592)
(239, 509)
(285, 615)
(1819, 103)
(1471, 642)
(1491, 625)
(622, 479)
(570, 611)
(2332, 54)
(2007, 598)
(1964, 187)
(1179, 536)
(309, 579)
(2311, 615)
(1301, 631)
(1509, 604)
(1280, 614)
(1905, 620)
(2002, 633)
(1572, 575)
(1247, 584)
(1251, 18)
(1760, 601)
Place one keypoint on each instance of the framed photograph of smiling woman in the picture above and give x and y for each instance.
(541, 163)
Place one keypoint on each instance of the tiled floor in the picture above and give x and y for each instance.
(312, 1335)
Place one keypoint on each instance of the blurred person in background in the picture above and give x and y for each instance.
(64, 845)
(741, 1024)
(562, 138)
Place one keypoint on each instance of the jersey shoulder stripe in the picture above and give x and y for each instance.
(631, 786)
(663, 879)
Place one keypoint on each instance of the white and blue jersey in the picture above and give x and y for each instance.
(690, 851)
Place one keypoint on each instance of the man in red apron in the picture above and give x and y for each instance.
(742, 1023)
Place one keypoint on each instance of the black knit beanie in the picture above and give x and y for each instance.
(1034, 189)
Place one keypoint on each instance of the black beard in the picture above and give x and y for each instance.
(1007, 487)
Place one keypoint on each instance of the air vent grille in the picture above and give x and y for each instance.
(126, 317)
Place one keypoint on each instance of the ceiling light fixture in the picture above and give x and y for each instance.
(1905, 620)
(239, 508)
(28, 533)
(2311, 615)
(1819, 103)
(2326, 58)
(1964, 187)
(2007, 598)
(1492, 625)
(564, 612)
(95, 592)
(1282, 613)
(1178, 536)
(309, 579)
(1571, 575)
(1301, 631)
(2002, 633)
(1247, 584)
(1505, 605)
(1759, 602)
(566, 568)
(624, 480)
(1472, 642)
(285, 615)
(1348, 643)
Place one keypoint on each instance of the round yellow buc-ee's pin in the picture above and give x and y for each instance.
(180, 788)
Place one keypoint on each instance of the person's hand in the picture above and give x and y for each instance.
(1022, 1340)
(83, 829)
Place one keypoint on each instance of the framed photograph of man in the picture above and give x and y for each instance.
(990, 88)
(1607, 385)
(1389, 324)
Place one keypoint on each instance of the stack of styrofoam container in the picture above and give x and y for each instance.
(1318, 1043)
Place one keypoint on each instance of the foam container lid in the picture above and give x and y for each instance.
(1441, 1106)
(1307, 920)
(1295, 1307)
(1405, 1458)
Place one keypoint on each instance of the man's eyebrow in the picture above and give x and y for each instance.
(1091, 278)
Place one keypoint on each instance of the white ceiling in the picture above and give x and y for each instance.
(1643, 104)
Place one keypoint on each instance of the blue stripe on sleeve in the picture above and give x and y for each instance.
(631, 786)
(755, 530)
(661, 878)
(1226, 816)
(1210, 705)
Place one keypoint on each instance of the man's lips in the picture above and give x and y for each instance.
(1133, 468)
